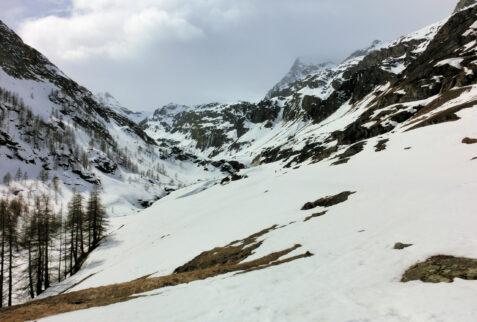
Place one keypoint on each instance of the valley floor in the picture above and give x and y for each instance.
(421, 189)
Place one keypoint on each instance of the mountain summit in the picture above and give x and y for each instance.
(301, 68)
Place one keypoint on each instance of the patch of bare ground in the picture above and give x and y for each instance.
(381, 145)
(231, 254)
(468, 140)
(328, 201)
(317, 214)
(400, 246)
(446, 115)
(220, 260)
(352, 150)
(442, 268)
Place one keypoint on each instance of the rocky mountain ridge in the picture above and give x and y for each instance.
(375, 90)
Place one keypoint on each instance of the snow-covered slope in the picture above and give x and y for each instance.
(347, 164)
(418, 190)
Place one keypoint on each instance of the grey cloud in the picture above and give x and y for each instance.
(243, 48)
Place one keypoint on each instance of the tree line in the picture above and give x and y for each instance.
(54, 244)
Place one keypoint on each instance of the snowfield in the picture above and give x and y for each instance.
(421, 190)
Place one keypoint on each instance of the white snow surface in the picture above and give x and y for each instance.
(422, 195)
(454, 62)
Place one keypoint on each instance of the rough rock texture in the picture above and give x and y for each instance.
(381, 145)
(105, 165)
(328, 201)
(442, 268)
(469, 140)
(399, 245)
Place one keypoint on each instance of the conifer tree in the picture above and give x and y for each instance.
(3, 220)
(75, 226)
(96, 219)
(39, 231)
(7, 178)
(16, 210)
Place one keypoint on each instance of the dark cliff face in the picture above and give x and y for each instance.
(428, 75)
(419, 79)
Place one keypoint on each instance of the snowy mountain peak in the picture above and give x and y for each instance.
(107, 98)
(171, 109)
(302, 67)
(375, 45)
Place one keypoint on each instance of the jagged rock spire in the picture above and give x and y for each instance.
(464, 3)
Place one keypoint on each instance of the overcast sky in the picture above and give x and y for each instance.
(147, 53)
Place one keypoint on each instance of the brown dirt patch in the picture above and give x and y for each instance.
(231, 254)
(442, 268)
(328, 201)
(220, 260)
(317, 214)
(468, 140)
